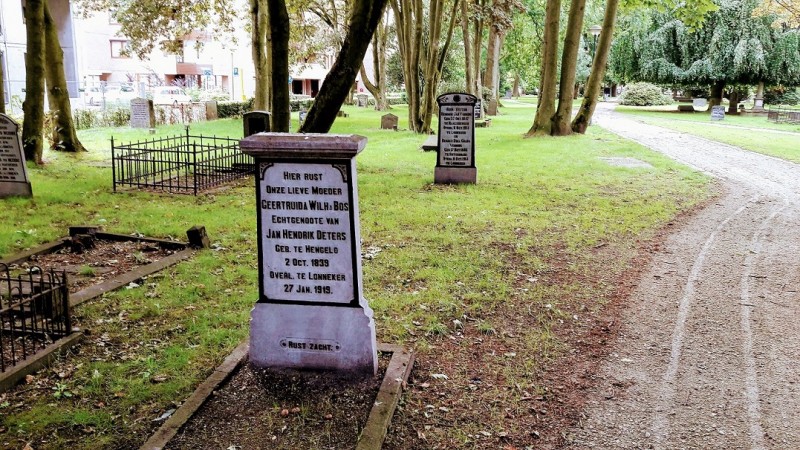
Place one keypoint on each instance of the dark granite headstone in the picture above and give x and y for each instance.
(14, 180)
(389, 122)
(455, 162)
(255, 122)
(142, 113)
(311, 312)
(718, 112)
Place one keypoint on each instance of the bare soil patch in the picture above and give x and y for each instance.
(105, 260)
(259, 408)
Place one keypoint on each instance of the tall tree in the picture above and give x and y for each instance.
(64, 136)
(380, 47)
(502, 20)
(542, 125)
(569, 59)
(584, 116)
(33, 106)
(278, 64)
(258, 41)
(364, 18)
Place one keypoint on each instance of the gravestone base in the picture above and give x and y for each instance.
(455, 175)
(15, 190)
(301, 337)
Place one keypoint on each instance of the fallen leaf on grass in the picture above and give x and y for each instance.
(440, 376)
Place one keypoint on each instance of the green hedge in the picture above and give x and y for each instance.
(644, 94)
(234, 109)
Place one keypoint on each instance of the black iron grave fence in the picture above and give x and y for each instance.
(34, 312)
(179, 164)
(779, 115)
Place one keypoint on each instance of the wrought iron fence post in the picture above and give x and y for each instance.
(194, 162)
(113, 165)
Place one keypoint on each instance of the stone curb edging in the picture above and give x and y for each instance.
(372, 435)
(10, 378)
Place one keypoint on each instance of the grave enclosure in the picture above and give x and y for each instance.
(311, 312)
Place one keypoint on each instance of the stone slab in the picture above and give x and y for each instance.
(288, 336)
(389, 122)
(455, 175)
(685, 108)
(11, 377)
(211, 110)
(142, 113)
(431, 143)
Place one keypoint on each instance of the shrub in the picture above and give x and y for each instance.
(234, 109)
(781, 96)
(644, 94)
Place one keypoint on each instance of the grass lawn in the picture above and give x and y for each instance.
(463, 274)
(749, 132)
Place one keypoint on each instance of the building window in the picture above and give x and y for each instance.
(119, 49)
(112, 17)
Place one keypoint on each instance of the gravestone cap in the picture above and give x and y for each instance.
(303, 146)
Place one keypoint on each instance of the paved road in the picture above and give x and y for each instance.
(709, 356)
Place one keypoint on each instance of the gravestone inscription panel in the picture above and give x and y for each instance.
(456, 152)
(14, 180)
(718, 112)
(311, 313)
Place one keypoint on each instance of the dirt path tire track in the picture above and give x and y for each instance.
(709, 353)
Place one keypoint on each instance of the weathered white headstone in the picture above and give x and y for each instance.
(311, 313)
(699, 103)
(142, 113)
(14, 180)
(718, 112)
(455, 161)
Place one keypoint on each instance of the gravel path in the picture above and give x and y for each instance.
(709, 350)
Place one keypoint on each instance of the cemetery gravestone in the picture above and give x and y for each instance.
(14, 180)
(455, 162)
(255, 122)
(142, 113)
(211, 110)
(478, 109)
(311, 312)
(302, 116)
(700, 103)
(718, 112)
(389, 122)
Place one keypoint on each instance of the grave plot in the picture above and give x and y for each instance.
(34, 313)
(185, 164)
(96, 262)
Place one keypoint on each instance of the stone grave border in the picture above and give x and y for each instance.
(372, 435)
(11, 377)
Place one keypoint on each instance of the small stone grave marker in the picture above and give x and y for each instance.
(211, 110)
(311, 312)
(142, 113)
(14, 180)
(455, 162)
(389, 122)
(718, 112)
(302, 116)
(700, 103)
(255, 122)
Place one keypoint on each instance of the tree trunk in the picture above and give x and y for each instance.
(477, 40)
(258, 37)
(436, 58)
(64, 136)
(547, 89)
(278, 64)
(733, 103)
(2, 86)
(716, 94)
(408, 16)
(569, 60)
(379, 49)
(490, 77)
(589, 103)
(515, 91)
(33, 106)
(364, 19)
(470, 88)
